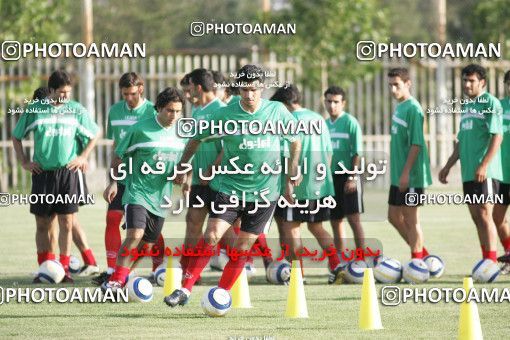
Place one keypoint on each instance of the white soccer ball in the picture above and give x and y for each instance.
(131, 275)
(435, 265)
(216, 302)
(139, 290)
(278, 272)
(51, 271)
(388, 271)
(74, 264)
(160, 274)
(415, 271)
(485, 271)
(354, 271)
(218, 262)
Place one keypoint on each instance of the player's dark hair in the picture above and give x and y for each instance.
(232, 90)
(218, 77)
(58, 79)
(169, 95)
(288, 95)
(335, 91)
(185, 80)
(41, 93)
(204, 78)
(130, 79)
(471, 69)
(401, 72)
(506, 77)
(250, 73)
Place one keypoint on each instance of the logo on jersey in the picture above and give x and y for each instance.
(467, 125)
(55, 132)
(122, 134)
(259, 143)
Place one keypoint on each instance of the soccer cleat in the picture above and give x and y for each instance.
(267, 261)
(178, 297)
(152, 278)
(88, 270)
(505, 269)
(111, 285)
(335, 276)
(505, 258)
(101, 278)
(67, 278)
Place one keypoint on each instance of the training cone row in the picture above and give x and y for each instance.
(469, 320)
(369, 315)
(296, 300)
(172, 278)
(240, 292)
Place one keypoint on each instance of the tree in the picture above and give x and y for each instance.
(326, 37)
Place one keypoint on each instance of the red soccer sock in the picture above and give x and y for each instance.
(44, 256)
(262, 243)
(159, 245)
(425, 252)
(231, 272)
(333, 261)
(88, 257)
(195, 266)
(417, 254)
(64, 260)
(120, 274)
(490, 255)
(506, 244)
(112, 240)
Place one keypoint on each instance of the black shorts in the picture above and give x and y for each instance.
(303, 214)
(254, 223)
(116, 203)
(60, 183)
(504, 191)
(408, 198)
(82, 187)
(346, 204)
(480, 190)
(137, 216)
(204, 192)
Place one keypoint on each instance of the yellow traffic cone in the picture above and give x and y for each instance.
(173, 277)
(369, 316)
(469, 320)
(296, 300)
(240, 292)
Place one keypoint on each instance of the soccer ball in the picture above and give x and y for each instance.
(139, 290)
(485, 271)
(415, 271)
(51, 271)
(131, 275)
(218, 262)
(160, 274)
(435, 265)
(354, 271)
(216, 302)
(278, 272)
(74, 264)
(388, 271)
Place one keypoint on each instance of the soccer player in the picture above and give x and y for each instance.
(500, 210)
(79, 238)
(345, 133)
(154, 142)
(56, 124)
(479, 139)
(201, 91)
(248, 189)
(316, 149)
(127, 112)
(499, 213)
(409, 162)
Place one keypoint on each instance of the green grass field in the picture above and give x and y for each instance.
(333, 310)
